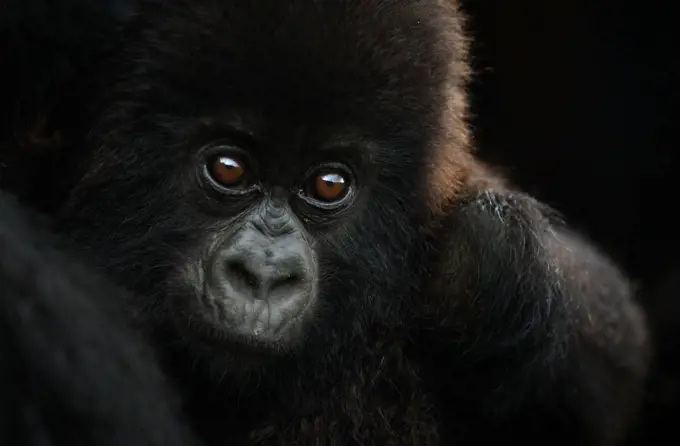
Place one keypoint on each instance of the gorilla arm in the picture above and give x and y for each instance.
(543, 328)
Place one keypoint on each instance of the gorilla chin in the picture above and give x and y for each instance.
(254, 328)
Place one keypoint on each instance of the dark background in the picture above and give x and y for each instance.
(578, 101)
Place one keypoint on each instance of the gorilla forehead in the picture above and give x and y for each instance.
(300, 57)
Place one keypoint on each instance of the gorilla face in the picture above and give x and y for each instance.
(256, 277)
(264, 193)
(238, 250)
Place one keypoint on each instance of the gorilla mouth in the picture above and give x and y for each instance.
(226, 339)
(222, 323)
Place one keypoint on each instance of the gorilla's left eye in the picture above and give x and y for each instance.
(328, 186)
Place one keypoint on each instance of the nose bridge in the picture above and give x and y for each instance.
(272, 247)
(273, 218)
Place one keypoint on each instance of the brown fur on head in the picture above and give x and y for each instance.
(452, 161)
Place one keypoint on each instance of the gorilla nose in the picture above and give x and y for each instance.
(265, 276)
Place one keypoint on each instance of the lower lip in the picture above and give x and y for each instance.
(237, 343)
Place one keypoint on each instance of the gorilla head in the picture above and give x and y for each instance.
(263, 173)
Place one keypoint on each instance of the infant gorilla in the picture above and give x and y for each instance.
(289, 189)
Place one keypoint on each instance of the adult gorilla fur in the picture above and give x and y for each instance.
(71, 371)
(429, 304)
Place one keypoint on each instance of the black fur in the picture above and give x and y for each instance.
(544, 325)
(452, 311)
(71, 371)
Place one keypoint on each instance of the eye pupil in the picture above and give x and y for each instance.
(227, 171)
(330, 186)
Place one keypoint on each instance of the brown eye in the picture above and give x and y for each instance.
(227, 171)
(330, 187)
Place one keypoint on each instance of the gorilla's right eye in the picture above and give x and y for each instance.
(227, 170)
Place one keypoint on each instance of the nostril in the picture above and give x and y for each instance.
(240, 272)
(286, 281)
